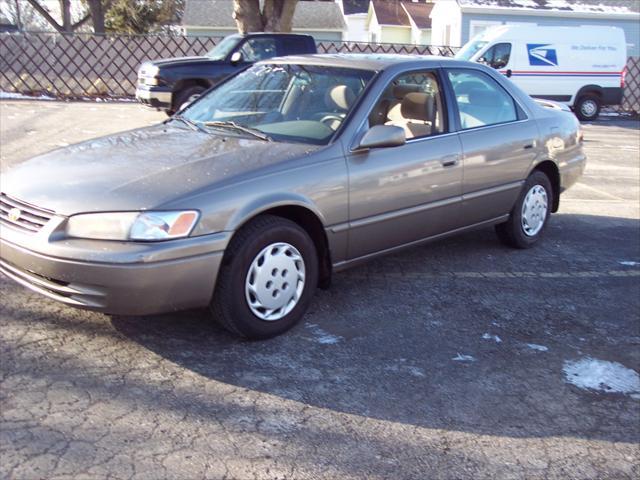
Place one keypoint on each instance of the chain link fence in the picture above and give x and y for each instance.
(81, 65)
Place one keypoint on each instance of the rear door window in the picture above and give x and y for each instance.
(480, 99)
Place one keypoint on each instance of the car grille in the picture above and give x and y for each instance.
(22, 215)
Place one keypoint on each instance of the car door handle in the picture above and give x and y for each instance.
(450, 161)
(528, 146)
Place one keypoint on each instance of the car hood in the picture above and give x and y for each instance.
(141, 169)
(176, 61)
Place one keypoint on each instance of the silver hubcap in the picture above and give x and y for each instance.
(589, 108)
(534, 210)
(275, 281)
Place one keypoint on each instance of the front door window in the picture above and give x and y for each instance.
(413, 102)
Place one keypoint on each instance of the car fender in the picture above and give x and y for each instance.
(268, 202)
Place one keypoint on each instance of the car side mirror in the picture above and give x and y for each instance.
(236, 57)
(381, 136)
(509, 73)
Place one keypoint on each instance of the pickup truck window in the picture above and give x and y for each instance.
(256, 49)
(288, 102)
(224, 48)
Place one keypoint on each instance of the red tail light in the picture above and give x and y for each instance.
(623, 77)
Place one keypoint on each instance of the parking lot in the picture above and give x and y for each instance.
(455, 359)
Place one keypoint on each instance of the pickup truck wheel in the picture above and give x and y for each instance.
(530, 214)
(587, 107)
(185, 95)
(267, 278)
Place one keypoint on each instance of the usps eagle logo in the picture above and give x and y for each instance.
(542, 54)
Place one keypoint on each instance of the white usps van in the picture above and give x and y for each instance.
(582, 67)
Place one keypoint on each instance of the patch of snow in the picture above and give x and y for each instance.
(322, 336)
(416, 372)
(540, 348)
(488, 336)
(463, 358)
(20, 96)
(557, 5)
(608, 377)
(411, 370)
(628, 263)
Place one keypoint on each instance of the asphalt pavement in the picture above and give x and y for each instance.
(458, 359)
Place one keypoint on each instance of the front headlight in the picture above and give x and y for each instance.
(132, 225)
(148, 70)
(148, 74)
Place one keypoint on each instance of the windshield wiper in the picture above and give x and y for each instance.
(193, 125)
(241, 128)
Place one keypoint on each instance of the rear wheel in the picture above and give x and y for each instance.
(530, 215)
(267, 278)
(587, 107)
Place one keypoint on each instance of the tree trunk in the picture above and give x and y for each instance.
(246, 13)
(277, 15)
(18, 16)
(65, 12)
(97, 15)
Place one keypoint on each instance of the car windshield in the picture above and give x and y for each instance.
(470, 49)
(220, 51)
(286, 102)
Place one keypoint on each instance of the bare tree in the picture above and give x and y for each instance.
(95, 13)
(275, 15)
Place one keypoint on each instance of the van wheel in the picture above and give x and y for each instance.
(267, 278)
(587, 107)
(530, 214)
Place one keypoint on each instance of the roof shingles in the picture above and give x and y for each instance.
(582, 6)
(390, 12)
(419, 13)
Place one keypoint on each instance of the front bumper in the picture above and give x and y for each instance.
(123, 278)
(156, 97)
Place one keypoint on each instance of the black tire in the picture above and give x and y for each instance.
(229, 305)
(512, 232)
(587, 108)
(184, 95)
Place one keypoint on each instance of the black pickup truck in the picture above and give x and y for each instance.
(167, 84)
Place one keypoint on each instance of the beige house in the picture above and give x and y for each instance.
(399, 22)
(322, 20)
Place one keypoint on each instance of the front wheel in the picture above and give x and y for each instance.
(587, 107)
(186, 95)
(530, 215)
(267, 279)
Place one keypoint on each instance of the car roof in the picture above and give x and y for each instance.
(363, 61)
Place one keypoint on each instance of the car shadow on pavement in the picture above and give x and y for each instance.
(462, 335)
